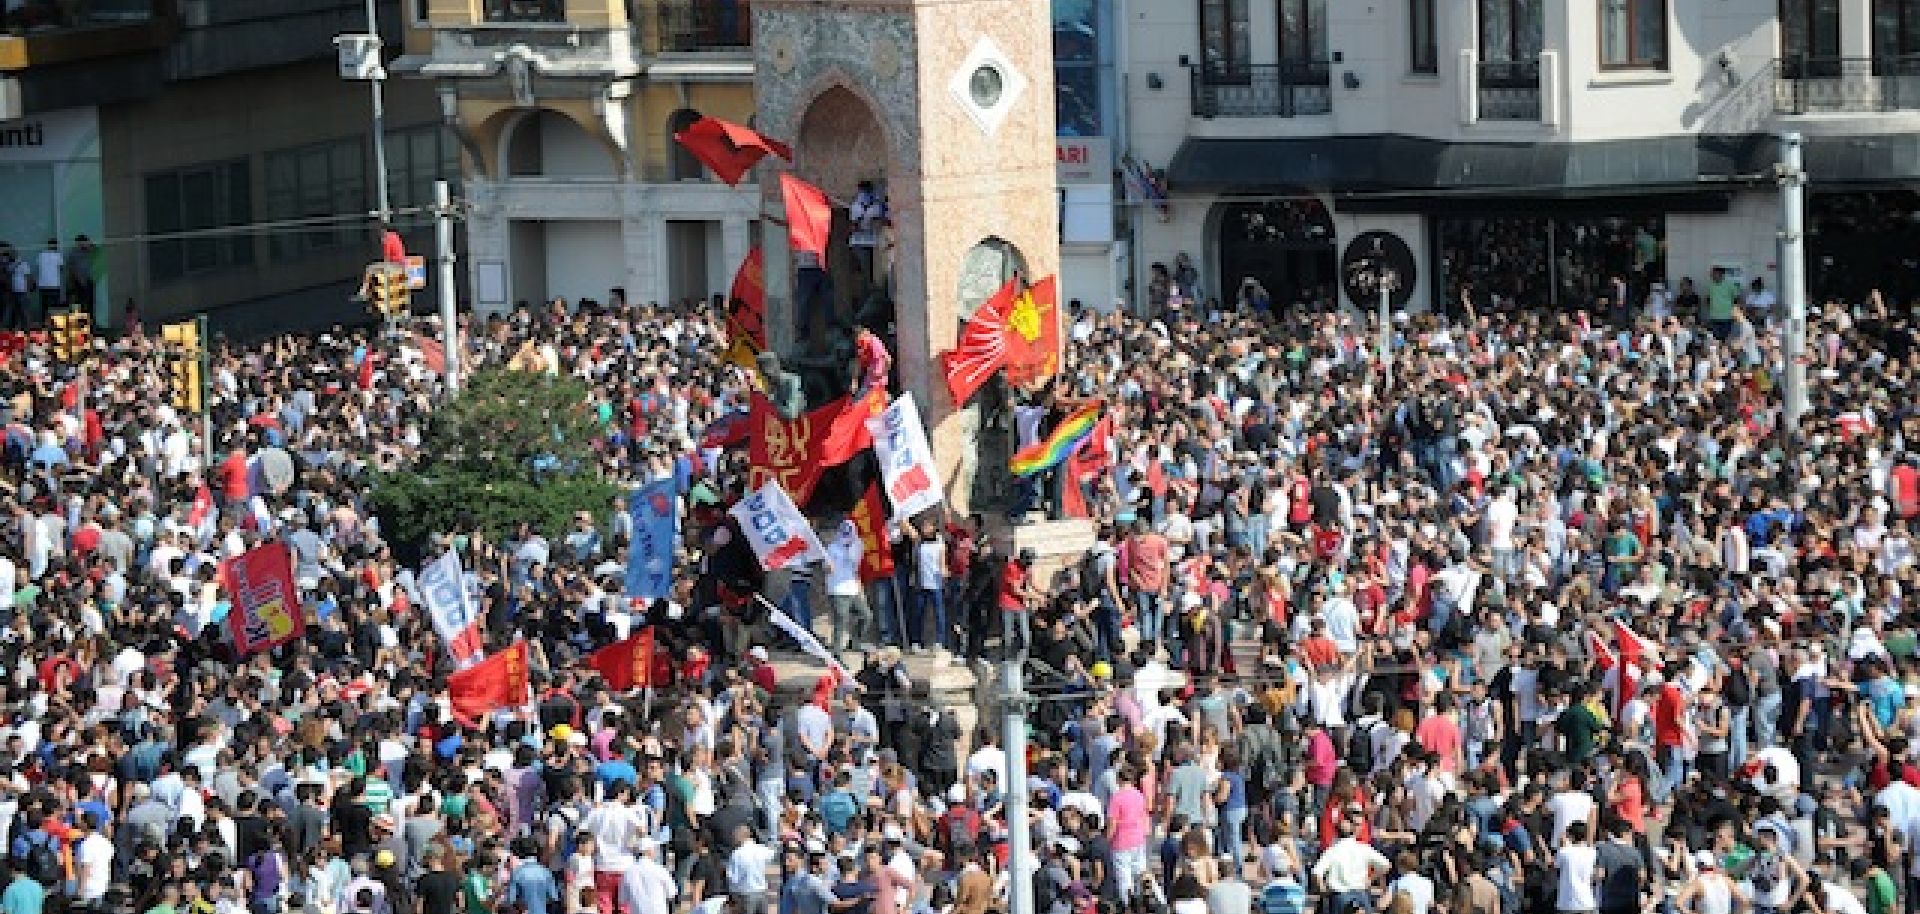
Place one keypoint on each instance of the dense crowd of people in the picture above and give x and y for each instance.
(1553, 617)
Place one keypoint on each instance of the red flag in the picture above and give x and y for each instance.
(265, 604)
(726, 431)
(627, 664)
(796, 451)
(728, 148)
(202, 507)
(1086, 462)
(364, 375)
(1033, 333)
(432, 353)
(869, 516)
(982, 347)
(809, 216)
(747, 311)
(500, 681)
(1632, 650)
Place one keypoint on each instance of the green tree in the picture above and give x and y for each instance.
(513, 446)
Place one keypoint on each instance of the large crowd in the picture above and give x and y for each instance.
(1553, 617)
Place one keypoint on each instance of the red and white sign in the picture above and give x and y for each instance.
(775, 528)
(906, 460)
(266, 609)
(1083, 160)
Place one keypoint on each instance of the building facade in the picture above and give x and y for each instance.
(1524, 150)
(566, 110)
(169, 131)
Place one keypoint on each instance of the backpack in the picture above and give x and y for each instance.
(570, 829)
(43, 861)
(1360, 748)
(962, 831)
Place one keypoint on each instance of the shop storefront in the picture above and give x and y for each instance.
(50, 186)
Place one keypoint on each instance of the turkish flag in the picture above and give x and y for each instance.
(500, 681)
(729, 149)
(809, 216)
(982, 348)
(626, 664)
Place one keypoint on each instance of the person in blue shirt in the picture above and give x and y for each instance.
(616, 770)
(23, 895)
(531, 884)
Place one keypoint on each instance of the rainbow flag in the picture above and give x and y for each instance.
(1048, 452)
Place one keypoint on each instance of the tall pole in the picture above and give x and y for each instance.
(379, 115)
(1386, 332)
(443, 283)
(1793, 280)
(1019, 833)
(206, 403)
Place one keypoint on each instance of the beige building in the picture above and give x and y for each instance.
(132, 121)
(566, 111)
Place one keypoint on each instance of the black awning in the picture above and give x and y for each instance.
(1361, 164)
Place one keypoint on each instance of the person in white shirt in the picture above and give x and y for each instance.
(846, 598)
(1347, 869)
(1503, 514)
(1574, 863)
(929, 586)
(1572, 806)
(92, 863)
(50, 276)
(747, 872)
(616, 825)
(648, 887)
(1418, 889)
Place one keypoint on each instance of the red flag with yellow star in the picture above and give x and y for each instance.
(869, 516)
(1033, 333)
(747, 311)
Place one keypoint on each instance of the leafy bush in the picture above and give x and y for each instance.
(513, 446)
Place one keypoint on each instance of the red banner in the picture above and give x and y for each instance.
(869, 516)
(982, 347)
(747, 311)
(500, 681)
(796, 451)
(626, 664)
(265, 604)
(809, 216)
(728, 148)
(1033, 333)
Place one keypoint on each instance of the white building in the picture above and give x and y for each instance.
(1528, 148)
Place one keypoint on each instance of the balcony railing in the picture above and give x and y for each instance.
(705, 25)
(40, 16)
(1847, 85)
(1289, 88)
(1509, 90)
(526, 10)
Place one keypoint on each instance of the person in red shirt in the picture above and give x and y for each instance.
(1017, 594)
(760, 670)
(1669, 729)
(231, 474)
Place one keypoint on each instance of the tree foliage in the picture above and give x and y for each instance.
(513, 446)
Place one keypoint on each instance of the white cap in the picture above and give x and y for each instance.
(758, 653)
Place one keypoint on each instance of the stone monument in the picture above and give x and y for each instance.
(946, 107)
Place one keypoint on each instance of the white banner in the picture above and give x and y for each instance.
(907, 472)
(443, 588)
(808, 643)
(777, 531)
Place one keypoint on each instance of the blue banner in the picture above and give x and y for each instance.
(656, 528)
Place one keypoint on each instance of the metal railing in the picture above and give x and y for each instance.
(1286, 89)
(705, 25)
(526, 10)
(1509, 90)
(1847, 85)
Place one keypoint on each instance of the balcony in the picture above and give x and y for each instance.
(704, 25)
(43, 32)
(526, 10)
(1290, 88)
(1846, 85)
(1508, 90)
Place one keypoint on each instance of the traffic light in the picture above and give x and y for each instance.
(385, 286)
(72, 334)
(182, 341)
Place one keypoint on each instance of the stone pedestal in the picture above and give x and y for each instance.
(1057, 545)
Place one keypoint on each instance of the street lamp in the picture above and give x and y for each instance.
(360, 61)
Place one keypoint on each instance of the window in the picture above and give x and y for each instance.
(1633, 34)
(325, 179)
(1511, 30)
(205, 197)
(1423, 49)
(1896, 29)
(1303, 30)
(1224, 39)
(417, 157)
(1810, 38)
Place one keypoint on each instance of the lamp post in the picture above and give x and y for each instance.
(360, 61)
